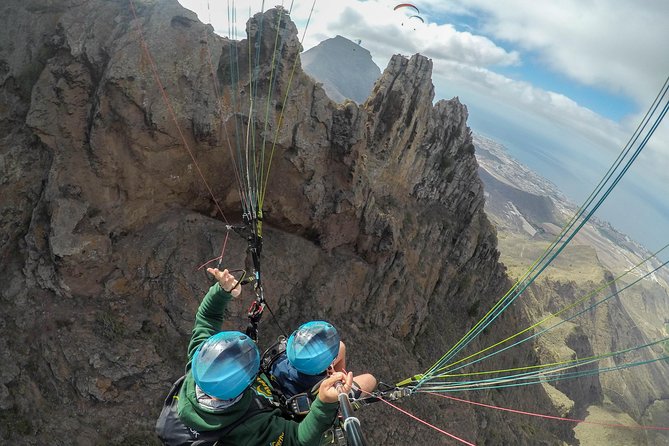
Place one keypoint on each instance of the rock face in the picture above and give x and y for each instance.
(374, 220)
(345, 68)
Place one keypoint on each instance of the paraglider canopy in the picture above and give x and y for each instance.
(406, 5)
(412, 8)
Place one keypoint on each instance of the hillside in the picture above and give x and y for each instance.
(528, 213)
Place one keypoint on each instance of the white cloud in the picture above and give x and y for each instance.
(556, 109)
(620, 46)
(654, 160)
(592, 42)
(383, 31)
(377, 24)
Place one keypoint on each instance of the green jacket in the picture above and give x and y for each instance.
(264, 429)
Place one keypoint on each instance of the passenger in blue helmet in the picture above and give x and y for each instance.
(313, 347)
(313, 352)
(226, 364)
(223, 398)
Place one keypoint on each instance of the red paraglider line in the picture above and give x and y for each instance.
(551, 417)
(414, 417)
(219, 258)
(170, 109)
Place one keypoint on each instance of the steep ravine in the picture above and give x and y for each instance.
(633, 396)
(374, 220)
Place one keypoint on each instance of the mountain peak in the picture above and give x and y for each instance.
(344, 67)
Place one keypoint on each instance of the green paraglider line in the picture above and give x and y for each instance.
(571, 375)
(548, 370)
(278, 44)
(242, 196)
(553, 315)
(547, 258)
(283, 109)
(234, 88)
(539, 333)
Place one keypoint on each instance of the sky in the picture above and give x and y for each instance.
(563, 85)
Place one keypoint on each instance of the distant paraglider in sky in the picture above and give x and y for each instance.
(407, 5)
(412, 18)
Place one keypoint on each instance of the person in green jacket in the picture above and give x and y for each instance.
(222, 377)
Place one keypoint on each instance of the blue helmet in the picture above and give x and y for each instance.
(313, 347)
(226, 364)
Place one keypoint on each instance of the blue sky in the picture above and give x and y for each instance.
(605, 103)
(562, 84)
(611, 105)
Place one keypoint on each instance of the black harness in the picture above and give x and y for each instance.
(297, 406)
(173, 432)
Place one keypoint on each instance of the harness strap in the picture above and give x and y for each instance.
(173, 432)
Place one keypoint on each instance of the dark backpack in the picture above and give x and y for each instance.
(173, 432)
(297, 406)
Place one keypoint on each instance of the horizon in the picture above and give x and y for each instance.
(561, 87)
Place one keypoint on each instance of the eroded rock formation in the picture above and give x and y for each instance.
(374, 220)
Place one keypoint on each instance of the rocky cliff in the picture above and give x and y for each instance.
(374, 220)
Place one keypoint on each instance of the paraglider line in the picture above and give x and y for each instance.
(553, 315)
(544, 367)
(283, 109)
(493, 313)
(242, 195)
(414, 417)
(272, 80)
(550, 417)
(219, 258)
(168, 104)
(597, 303)
(542, 377)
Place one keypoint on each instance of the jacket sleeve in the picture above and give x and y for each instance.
(321, 416)
(273, 429)
(209, 318)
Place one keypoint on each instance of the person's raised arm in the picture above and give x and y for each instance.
(209, 317)
(226, 281)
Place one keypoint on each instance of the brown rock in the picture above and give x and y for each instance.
(373, 219)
